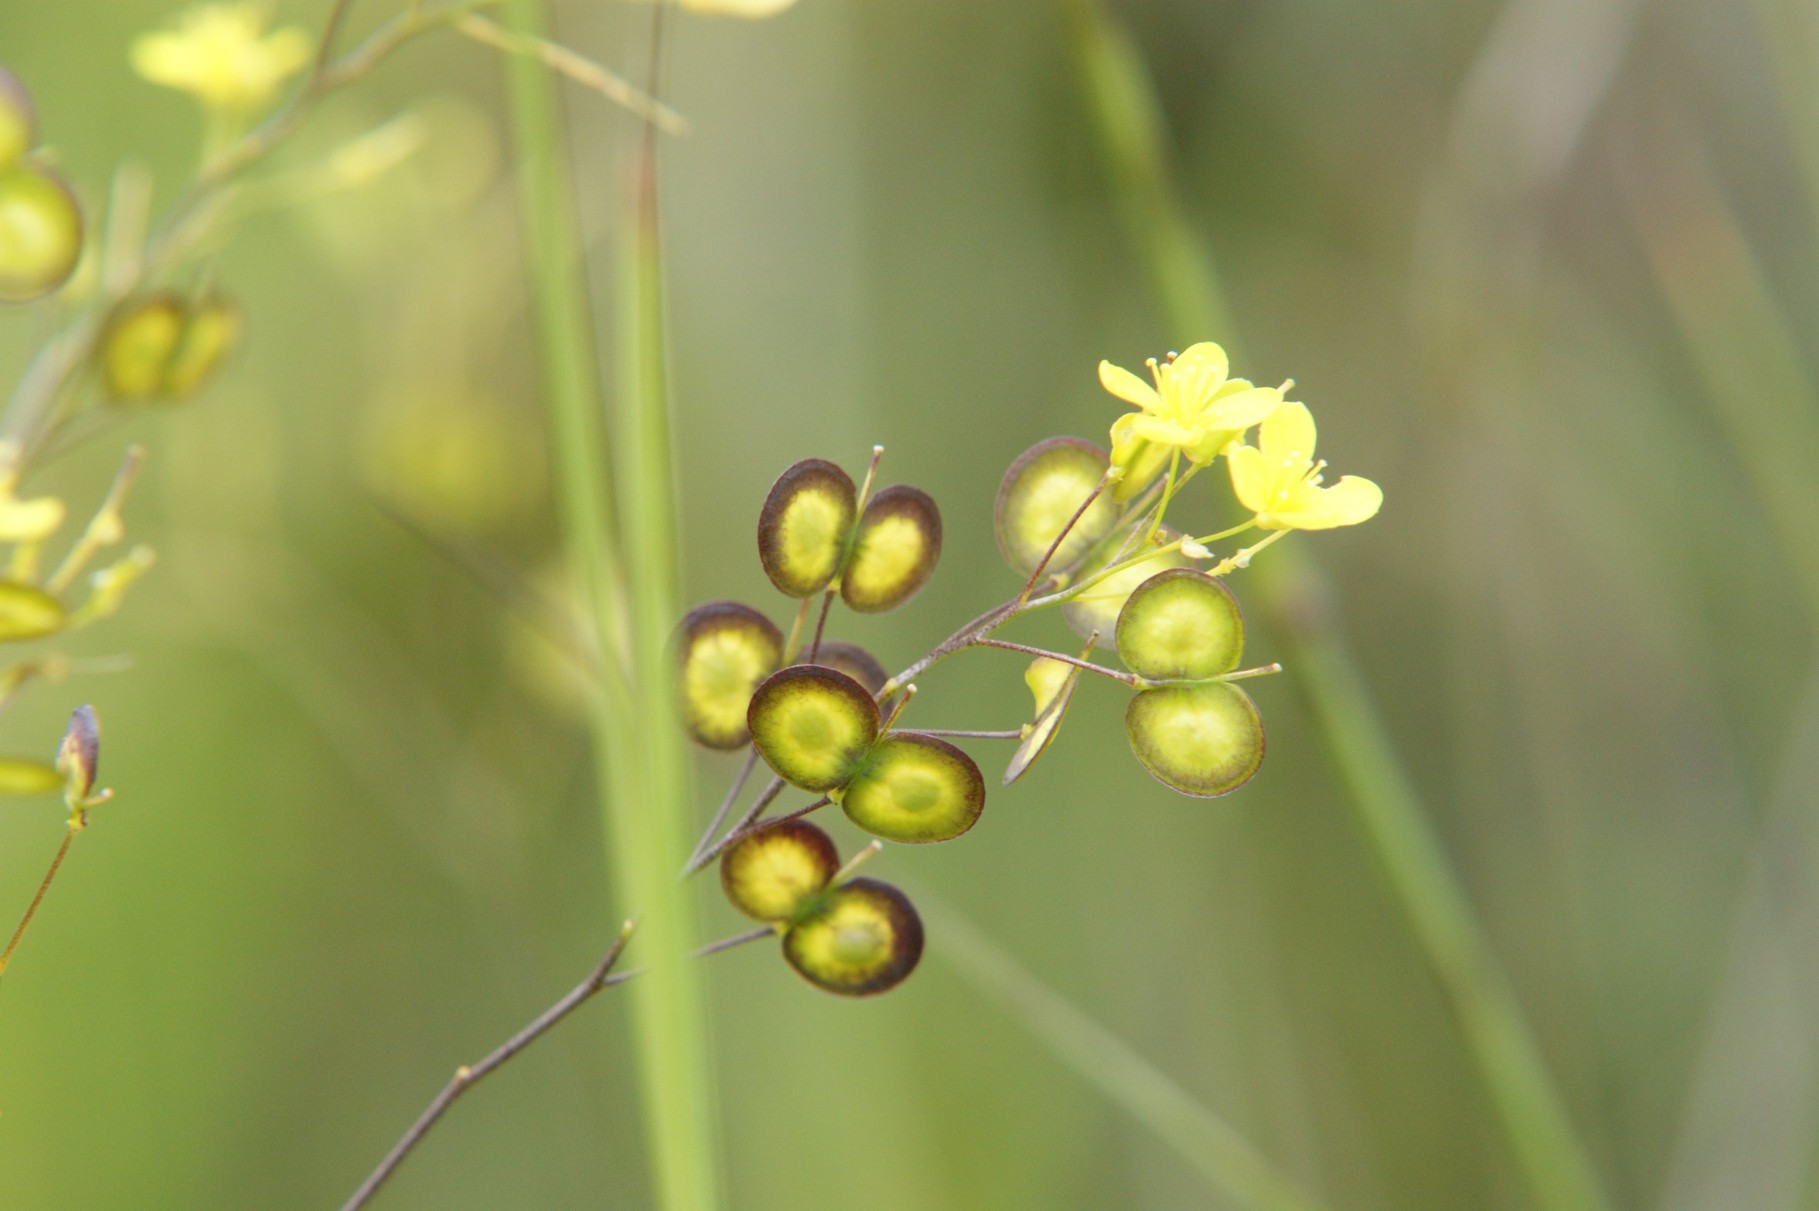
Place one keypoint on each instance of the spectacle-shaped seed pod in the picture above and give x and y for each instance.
(894, 552)
(915, 789)
(40, 233)
(1041, 492)
(855, 662)
(210, 332)
(864, 937)
(23, 776)
(18, 121)
(725, 650)
(1053, 683)
(775, 872)
(813, 726)
(1096, 610)
(27, 612)
(1201, 740)
(804, 524)
(1180, 624)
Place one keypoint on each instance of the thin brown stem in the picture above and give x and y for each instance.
(1130, 679)
(752, 825)
(726, 805)
(814, 648)
(765, 798)
(738, 939)
(69, 835)
(955, 733)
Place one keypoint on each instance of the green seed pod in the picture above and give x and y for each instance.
(855, 662)
(864, 937)
(775, 872)
(725, 650)
(27, 612)
(915, 788)
(1096, 610)
(1053, 683)
(804, 525)
(40, 233)
(141, 338)
(1041, 492)
(210, 332)
(894, 552)
(23, 776)
(18, 121)
(1180, 624)
(813, 725)
(1202, 740)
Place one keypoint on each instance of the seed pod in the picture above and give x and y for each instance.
(915, 788)
(804, 525)
(864, 937)
(855, 662)
(775, 872)
(894, 552)
(18, 121)
(1041, 492)
(1201, 740)
(1053, 683)
(27, 612)
(23, 776)
(140, 340)
(40, 233)
(1096, 610)
(1180, 624)
(725, 650)
(210, 332)
(813, 726)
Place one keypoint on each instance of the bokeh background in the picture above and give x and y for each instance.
(1545, 269)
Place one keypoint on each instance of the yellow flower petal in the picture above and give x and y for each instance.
(1128, 387)
(1244, 408)
(1352, 500)
(1251, 481)
(1287, 436)
(221, 54)
(1193, 377)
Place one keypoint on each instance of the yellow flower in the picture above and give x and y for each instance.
(221, 54)
(1279, 480)
(738, 8)
(1193, 408)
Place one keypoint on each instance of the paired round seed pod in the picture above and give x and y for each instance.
(812, 534)
(724, 651)
(856, 939)
(164, 346)
(1202, 737)
(820, 730)
(40, 233)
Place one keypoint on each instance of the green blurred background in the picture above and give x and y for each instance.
(1545, 269)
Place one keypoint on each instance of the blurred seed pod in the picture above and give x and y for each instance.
(210, 332)
(1041, 491)
(18, 121)
(724, 650)
(915, 789)
(804, 525)
(855, 662)
(40, 233)
(23, 776)
(1096, 610)
(864, 937)
(894, 552)
(813, 726)
(162, 346)
(27, 612)
(1201, 740)
(1180, 624)
(774, 873)
(1053, 683)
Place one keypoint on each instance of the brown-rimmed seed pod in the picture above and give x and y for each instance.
(813, 726)
(855, 662)
(915, 789)
(18, 121)
(724, 650)
(775, 872)
(894, 552)
(804, 526)
(40, 233)
(1041, 492)
(864, 937)
(1180, 624)
(1201, 740)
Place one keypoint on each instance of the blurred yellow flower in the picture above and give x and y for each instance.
(222, 55)
(1192, 408)
(1279, 481)
(738, 8)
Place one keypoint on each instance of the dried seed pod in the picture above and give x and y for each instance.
(1041, 492)
(27, 612)
(804, 526)
(1202, 740)
(23, 776)
(813, 725)
(894, 552)
(774, 872)
(1053, 683)
(725, 650)
(18, 121)
(40, 233)
(864, 937)
(915, 788)
(1180, 624)
(855, 662)
(1096, 610)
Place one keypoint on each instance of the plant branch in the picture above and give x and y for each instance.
(76, 825)
(1130, 679)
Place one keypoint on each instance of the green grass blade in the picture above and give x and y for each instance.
(1528, 1104)
(1203, 1139)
